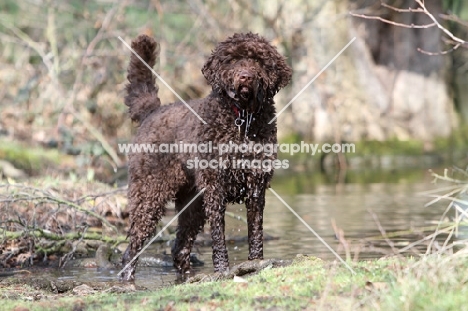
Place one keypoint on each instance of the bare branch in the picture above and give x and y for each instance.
(408, 10)
(382, 231)
(36, 46)
(68, 107)
(445, 30)
(99, 36)
(28, 194)
(392, 22)
(453, 18)
(456, 42)
(439, 53)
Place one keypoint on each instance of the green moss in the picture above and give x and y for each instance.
(390, 147)
(28, 158)
(294, 138)
(457, 141)
(9, 6)
(306, 182)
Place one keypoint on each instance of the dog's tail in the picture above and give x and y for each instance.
(142, 93)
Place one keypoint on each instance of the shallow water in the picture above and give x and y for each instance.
(358, 209)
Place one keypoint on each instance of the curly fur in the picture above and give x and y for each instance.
(245, 72)
(142, 94)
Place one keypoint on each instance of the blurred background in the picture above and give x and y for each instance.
(63, 71)
(399, 92)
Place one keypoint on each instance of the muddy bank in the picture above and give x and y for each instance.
(28, 286)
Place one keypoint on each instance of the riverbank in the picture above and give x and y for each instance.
(435, 282)
(18, 161)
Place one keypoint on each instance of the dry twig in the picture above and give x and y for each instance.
(457, 42)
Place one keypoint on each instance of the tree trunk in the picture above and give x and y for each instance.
(381, 87)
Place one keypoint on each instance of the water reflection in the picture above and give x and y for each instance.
(358, 209)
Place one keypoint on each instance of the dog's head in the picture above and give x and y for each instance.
(248, 69)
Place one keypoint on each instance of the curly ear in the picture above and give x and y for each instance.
(284, 73)
(211, 68)
(260, 95)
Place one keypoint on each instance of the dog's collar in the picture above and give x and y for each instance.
(235, 108)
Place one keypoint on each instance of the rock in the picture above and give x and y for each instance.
(238, 279)
(9, 171)
(83, 290)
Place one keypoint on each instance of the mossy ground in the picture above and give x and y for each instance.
(426, 283)
(30, 159)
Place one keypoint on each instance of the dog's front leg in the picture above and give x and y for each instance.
(215, 209)
(255, 203)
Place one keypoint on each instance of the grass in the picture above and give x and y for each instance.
(435, 282)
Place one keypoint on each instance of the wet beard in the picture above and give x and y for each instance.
(244, 93)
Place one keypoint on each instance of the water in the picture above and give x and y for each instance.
(361, 210)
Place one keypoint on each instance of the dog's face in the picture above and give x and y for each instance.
(247, 69)
(244, 82)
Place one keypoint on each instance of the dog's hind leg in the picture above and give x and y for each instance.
(147, 200)
(190, 223)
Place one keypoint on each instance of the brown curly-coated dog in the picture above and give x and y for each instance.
(245, 72)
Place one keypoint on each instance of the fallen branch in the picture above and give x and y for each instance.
(94, 236)
(47, 197)
(17, 198)
(445, 177)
